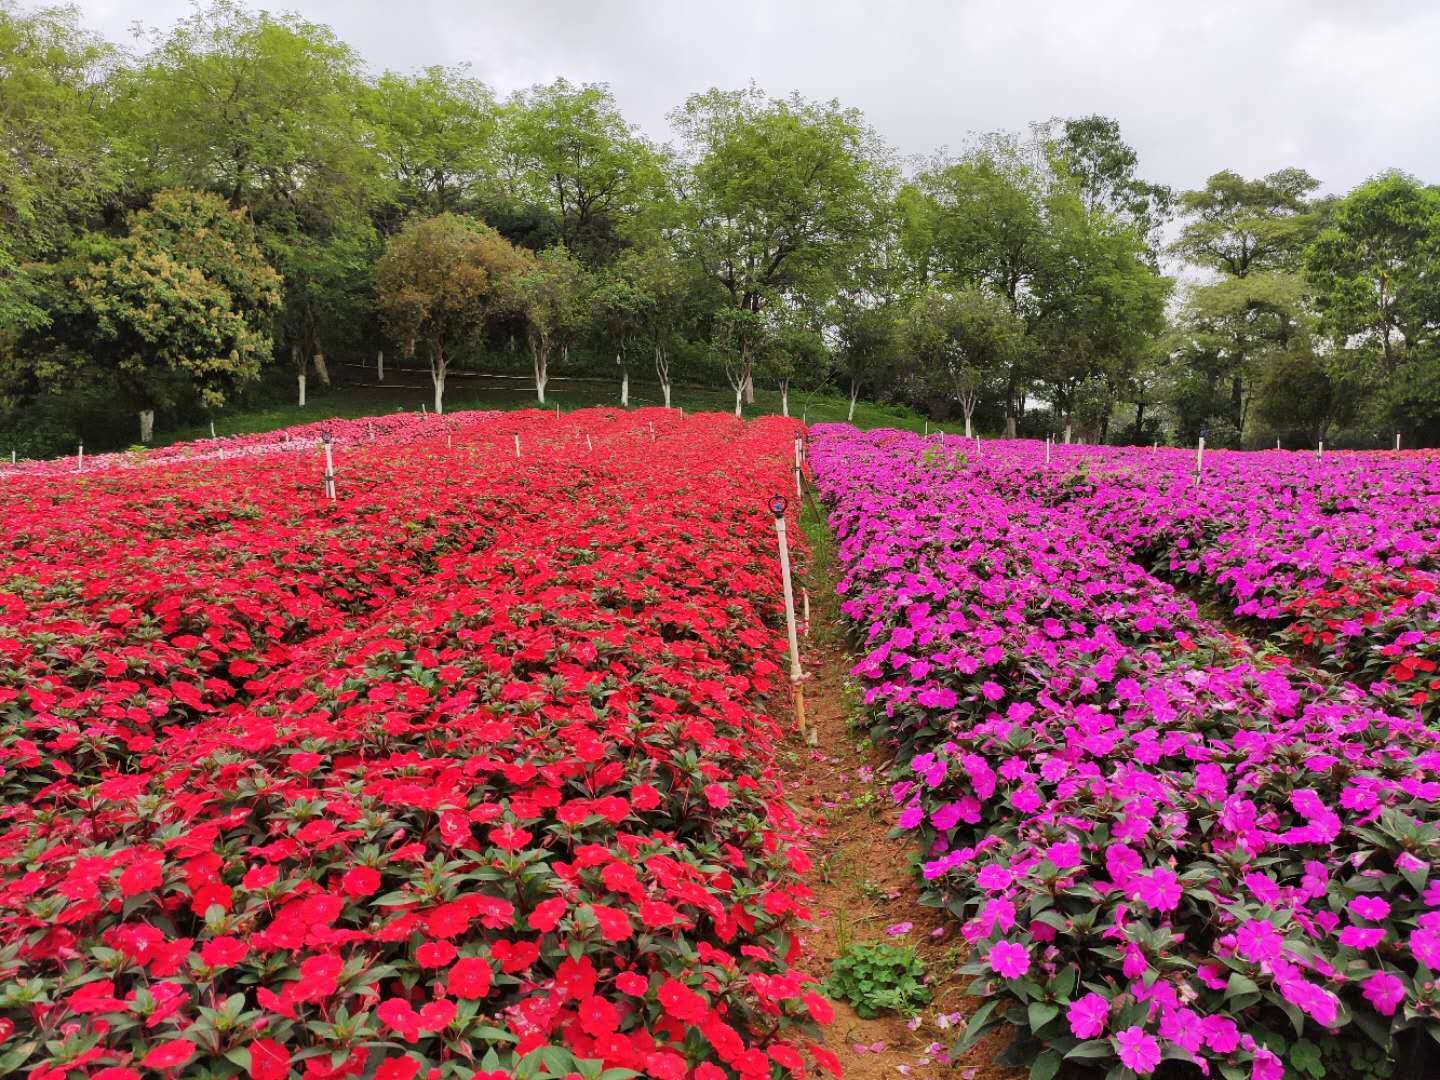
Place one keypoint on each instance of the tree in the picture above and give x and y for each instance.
(620, 306)
(1091, 152)
(436, 133)
(960, 339)
(55, 168)
(1373, 269)
(867, 342)
(1237, 226)
(775, 197)
(575, 153)
(665, 293)
(984, 221)
(441, 282)
(183, 306)
(550, 294)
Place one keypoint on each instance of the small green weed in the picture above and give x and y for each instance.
(875, 977)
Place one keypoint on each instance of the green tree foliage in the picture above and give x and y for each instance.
(442, 282)
(55, 169)
(1373, 269)
(182, 307)
(436, 133)
(551, 295)
(776, 197)
(958, 341)
(570, 149)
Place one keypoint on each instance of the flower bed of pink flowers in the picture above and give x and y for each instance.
(1163, 844)
(464, 774)
(1338, 556)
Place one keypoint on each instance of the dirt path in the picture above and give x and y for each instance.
(864, 882)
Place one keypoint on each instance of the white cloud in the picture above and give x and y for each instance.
(1341, 89)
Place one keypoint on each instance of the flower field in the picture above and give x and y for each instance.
(1165, 841)
(466, 773)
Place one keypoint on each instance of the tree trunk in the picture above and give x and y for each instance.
(301, 379)
(662, 372)
(1067, 431)
(437, 376)
(784, 397)
(967, 423)
(854, 393)
(540, 355)
(1009, 425)
(380, 366)
(739, 396)
(624, 383)
(749, 386)
(665, 389)
(321, 369)
(147, 425)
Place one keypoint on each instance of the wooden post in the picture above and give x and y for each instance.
(80, 457)
(517, 447)
(797, 674)
(329, 469)
(1397, 441)
(1047, 451)
(1277, 442)
(1199, 457)
(588, 444)
(1320, 450)
(212, 429)
(805, 608)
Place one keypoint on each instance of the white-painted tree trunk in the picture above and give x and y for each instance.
(662, 371)
(750, 387)
(437, 376)
(967, 425)
(147, 425)
(665, 390)
(1067, 434)
(784, 397)
(739, 397)
(301, 379)
(624, 387)
(380, 366)
(321, 369)
(542, 372)
(854, 394)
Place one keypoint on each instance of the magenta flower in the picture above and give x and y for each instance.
(1160, 889)
(1385, 992)
(1009, 960)
(1138, 1050)
(1369, 907)
(1087, 1016)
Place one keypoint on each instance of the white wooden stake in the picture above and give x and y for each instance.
(1397, 440)
(1199, 459)
(588, 444)
(80, 457)
(927, 427)
(12, 457)
(805, 608)
(329, 469)
(1277, 442)
(1047, 451)
(212, 429)
(797, 674)
(517, 446)
(1320, 450)
(423, 410)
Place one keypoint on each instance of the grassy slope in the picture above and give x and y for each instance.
(413, 390)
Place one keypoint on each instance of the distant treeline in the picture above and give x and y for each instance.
(185, 224)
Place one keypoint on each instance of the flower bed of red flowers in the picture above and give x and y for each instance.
(466, 773)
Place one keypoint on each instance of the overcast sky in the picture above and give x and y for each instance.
(1343, 88)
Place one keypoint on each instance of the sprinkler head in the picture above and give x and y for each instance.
(777, 505)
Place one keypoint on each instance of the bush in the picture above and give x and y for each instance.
(877, 977)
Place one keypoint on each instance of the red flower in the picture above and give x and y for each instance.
(142, 875)
(360, 881)
(717, 796)
(628, 982)
(470, 978)
(434, 954)
(547, 914)
(399, 1014)
(614, 925)
(436, 1015)
(223, 952)
(819, 1009)
(169, 1055)
(682, 1003)
(397, 1068)
(269, 1060)
(509, 837)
